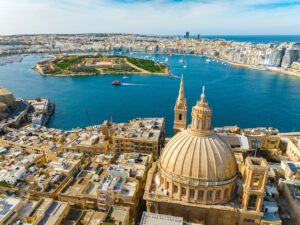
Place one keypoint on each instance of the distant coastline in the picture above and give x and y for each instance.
(264, 68)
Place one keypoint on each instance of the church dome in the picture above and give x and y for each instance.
(198, 160)
(197, 156)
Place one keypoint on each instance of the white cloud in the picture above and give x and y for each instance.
(147, 17)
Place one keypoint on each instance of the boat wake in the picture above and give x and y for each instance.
(132, 84)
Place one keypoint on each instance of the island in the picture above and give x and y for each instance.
(86, 65)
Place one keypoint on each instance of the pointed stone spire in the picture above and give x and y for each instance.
(180, 109)
(181, 90)
(203, 95)
(181, 102)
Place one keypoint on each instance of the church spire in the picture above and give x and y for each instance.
(203, 95)
(181, 90)
(180, 109)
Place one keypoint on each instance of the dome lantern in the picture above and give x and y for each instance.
(201, 117)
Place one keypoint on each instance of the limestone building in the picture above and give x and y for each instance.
(7, 103)
(196, 178)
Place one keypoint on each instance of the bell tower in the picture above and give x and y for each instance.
(254, 187)
(180, 110)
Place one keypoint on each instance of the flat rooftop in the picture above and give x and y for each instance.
(149, 218)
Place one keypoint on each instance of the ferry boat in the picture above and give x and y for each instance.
(116, 82)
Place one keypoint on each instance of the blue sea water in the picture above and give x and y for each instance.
(238, 96)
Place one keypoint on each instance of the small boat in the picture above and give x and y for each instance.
(180, 60)
(116, 82)
(208, 60)
(166, 59)
(185, 66)
(170, 54)
(124, 77)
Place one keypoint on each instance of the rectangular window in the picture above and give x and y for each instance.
(225, 192)
(200, 195)
(203, 125)
(218, 192)
(252, 201)
(180, 117)
(249, 220)
(198, 124)
(192, 193)
(209, 195)
(175, 189)
(183, 191)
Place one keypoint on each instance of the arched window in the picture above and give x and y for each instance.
(203, 125)
(152, 208)
(198, 124)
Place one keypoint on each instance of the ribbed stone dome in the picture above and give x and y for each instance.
(198, 159)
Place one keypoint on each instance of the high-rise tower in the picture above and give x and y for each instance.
(180, 110)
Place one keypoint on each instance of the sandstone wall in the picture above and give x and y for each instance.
(7, 103)
(7, 98)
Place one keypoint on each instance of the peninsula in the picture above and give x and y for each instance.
(86, 65)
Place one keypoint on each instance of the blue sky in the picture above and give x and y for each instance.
(166, 17)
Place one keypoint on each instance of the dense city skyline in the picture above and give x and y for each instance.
(217, 17)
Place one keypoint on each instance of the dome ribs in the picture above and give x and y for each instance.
(218, 148)
(167, 153)
(206, 158)
(186, 157)
(212, 158)
(175, 166)
(196, 156)
(196, 159)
